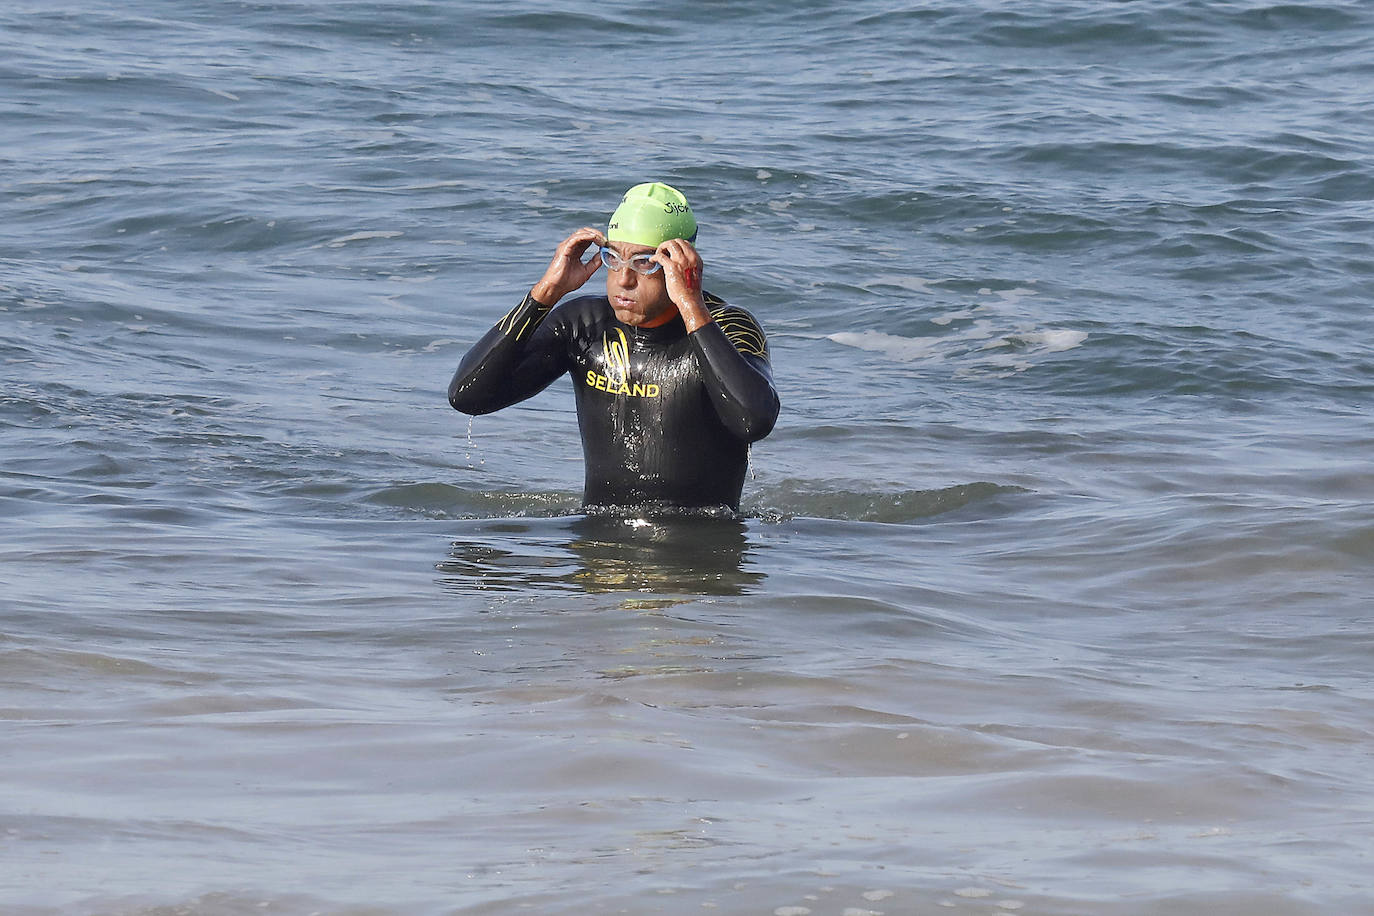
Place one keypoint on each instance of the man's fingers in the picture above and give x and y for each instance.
(679, 258)
(577, 244)
(682, 268)
(679, 252)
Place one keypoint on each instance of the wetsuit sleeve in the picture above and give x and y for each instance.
(733, 354)
(515, 360)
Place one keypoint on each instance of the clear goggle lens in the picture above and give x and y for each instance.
(639, 263)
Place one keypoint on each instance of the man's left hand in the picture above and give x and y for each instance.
(682, 270)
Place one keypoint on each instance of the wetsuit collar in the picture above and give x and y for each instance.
(674, 327)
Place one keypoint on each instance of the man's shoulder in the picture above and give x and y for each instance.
(581, 313)
(718, 307)
(740, 327)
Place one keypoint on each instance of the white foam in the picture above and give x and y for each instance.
(1057, 341)
(1011, 296)
(1051, 340)
(980, 345)
(902, 348)
(362, 237)
(963, 315)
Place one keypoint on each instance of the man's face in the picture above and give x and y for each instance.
(637, 299)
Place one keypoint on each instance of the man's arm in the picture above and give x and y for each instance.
(507, 365)
(730, 346)
(516, 360)
(733, 354)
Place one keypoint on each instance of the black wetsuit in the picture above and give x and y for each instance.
(666, 416)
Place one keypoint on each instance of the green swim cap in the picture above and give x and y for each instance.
(651, 214)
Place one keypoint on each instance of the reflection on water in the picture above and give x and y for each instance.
(674, 554)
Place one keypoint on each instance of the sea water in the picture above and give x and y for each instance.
(1053, 589)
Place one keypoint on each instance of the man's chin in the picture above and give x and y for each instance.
(636, 317)
(633, 317)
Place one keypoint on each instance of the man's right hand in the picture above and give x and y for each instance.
(567, 271)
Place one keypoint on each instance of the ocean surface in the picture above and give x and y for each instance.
(1052, 592)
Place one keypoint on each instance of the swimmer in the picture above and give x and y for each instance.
(671, 383)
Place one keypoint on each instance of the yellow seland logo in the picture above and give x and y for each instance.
(617, 377)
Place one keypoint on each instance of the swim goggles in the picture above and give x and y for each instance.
(639, 263)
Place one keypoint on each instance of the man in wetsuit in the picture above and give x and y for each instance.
(671, 383)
